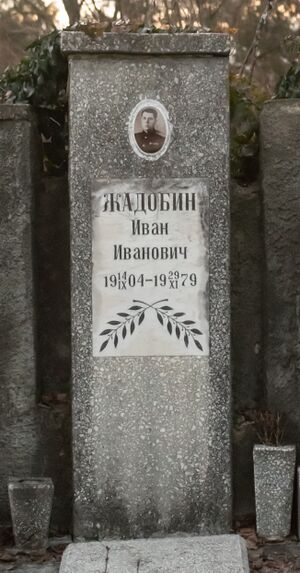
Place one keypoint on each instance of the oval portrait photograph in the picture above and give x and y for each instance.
(149, 129)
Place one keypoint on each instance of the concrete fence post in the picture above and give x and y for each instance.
(280, 171)
(18, 418)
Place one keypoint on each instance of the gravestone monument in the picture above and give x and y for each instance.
(150, 283)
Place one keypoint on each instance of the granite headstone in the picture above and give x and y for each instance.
(150, 283)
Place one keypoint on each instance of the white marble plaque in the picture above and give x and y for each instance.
(150, 268)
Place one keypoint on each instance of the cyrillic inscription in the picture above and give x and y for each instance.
(150, 268)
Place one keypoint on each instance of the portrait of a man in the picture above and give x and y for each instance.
(149, 130)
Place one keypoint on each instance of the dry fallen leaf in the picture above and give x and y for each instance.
(6, 556)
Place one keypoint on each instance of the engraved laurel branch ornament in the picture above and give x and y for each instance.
(173, 321)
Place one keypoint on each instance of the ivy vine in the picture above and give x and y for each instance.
(41, 81)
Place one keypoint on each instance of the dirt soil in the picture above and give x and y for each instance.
(266, 556)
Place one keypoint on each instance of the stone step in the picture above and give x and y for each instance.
(214, 554)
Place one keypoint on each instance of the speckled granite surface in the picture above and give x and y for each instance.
(217, 553)
(151, 435)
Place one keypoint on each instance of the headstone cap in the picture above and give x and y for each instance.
(204, 43)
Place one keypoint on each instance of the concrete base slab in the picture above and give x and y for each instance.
(214, 554)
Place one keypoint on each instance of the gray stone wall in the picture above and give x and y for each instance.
(280, 156)
(52, 255)
(34, 308)
(52, 240)
(19, 437)
(246, 332)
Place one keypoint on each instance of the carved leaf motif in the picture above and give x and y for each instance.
(160, 318)
(104, 345)
(107, 331)
(173, 324)
(198, 344)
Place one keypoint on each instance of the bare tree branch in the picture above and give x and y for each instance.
(199, 7)
(177, 12)
(23, 31)
(118, 8)
(167, 14)
(192, 17)
(147, 19)
(73, 10)
(252, 51)
(213, 13)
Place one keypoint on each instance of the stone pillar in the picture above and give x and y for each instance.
(280, 175)
(149, 206)
(18, 422)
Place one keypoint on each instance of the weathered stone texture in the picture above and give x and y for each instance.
(52, 247)
(53, 344)
(298, 502)
(246, 294)
(280, 164)
(186, 484)
(35, 422)
(202, 43)
(19, 437)
(246, 332)
(274, 473)
(217, 554)
(30, 504)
